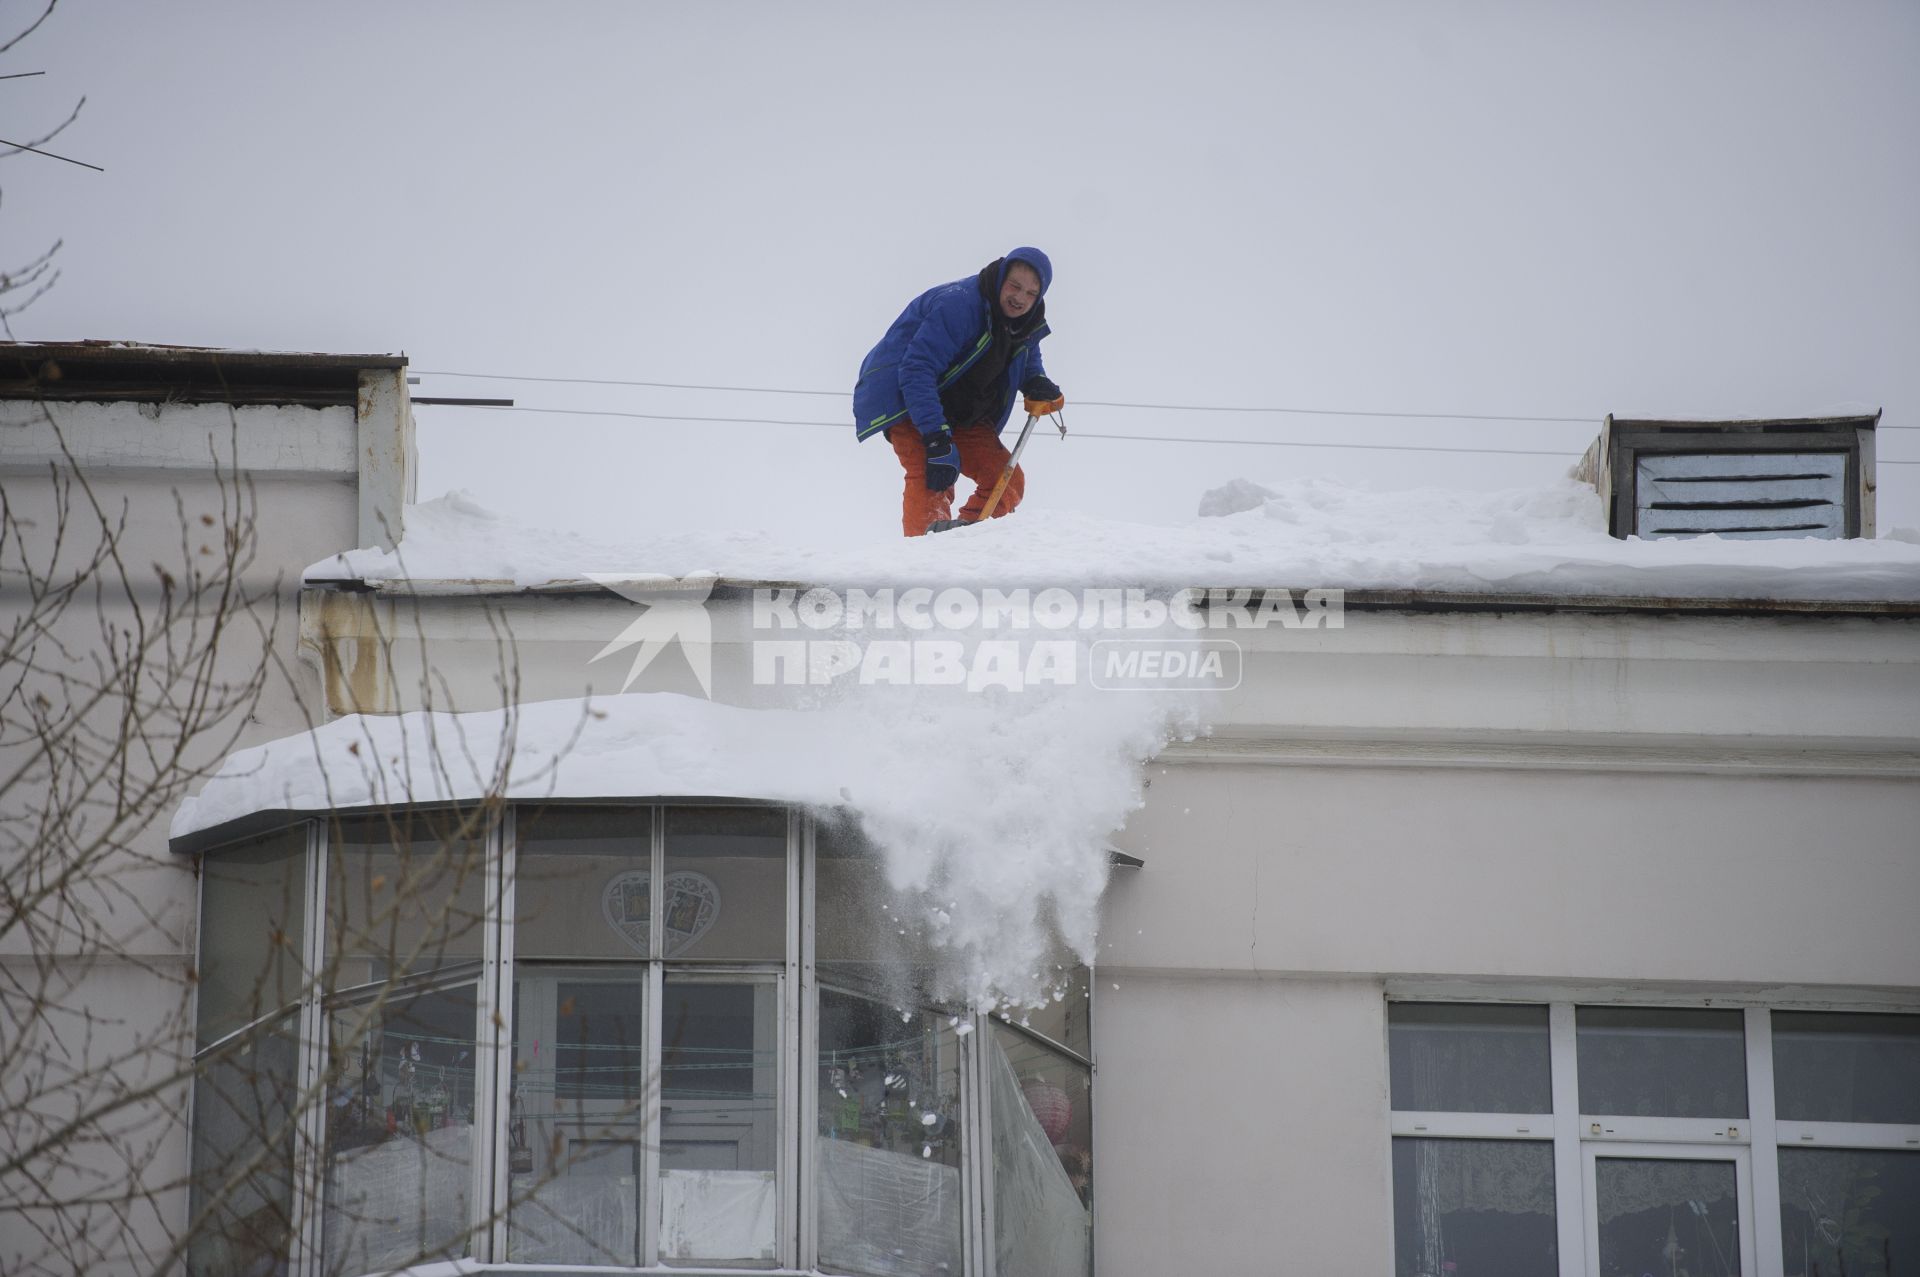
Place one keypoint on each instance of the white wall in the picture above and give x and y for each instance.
(1651, 806)
(1240, 1126)
(1671, 805)
(1538, 874)
(111, 961)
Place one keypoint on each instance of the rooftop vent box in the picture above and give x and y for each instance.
(1786, 477)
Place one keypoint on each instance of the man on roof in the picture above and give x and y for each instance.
(941, 385)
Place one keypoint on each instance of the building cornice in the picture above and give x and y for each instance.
(1825, 757)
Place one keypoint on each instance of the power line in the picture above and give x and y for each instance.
(1088, 403)
(1339, 412)
(672, 416)
(22, 146)
(655, 385)
(1077, 434)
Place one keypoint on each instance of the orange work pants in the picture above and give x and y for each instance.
(981, 459)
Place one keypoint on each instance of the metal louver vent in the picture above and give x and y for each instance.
(1746, 496)
(1747, 479)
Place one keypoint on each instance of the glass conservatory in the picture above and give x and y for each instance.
(679, 1036)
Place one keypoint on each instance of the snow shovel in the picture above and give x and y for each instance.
(993, 499)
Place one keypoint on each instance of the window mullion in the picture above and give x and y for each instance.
(807, 1000)
(1860, 1135)
(1703, 1131)
(1479, 1126)
(786, 1045)
(310, 1123)
(976, 1151)
(792, 1056)
(1569, 1173)
(1769, 1257)
(493, 1081)
(656, 991)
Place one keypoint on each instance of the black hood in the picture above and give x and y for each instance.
(994, 274)
(978, 393)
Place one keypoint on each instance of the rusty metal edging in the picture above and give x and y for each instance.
(109, 372)
(1368, 599)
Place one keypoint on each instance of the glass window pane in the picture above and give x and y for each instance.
(253, 901)
(576, 1123)
(719, 1120)
(399, 1130)
(243, 1102)
(887, 1154)
(1849, 1211)
(1042, 1157)
(1649, 1062)
(1846, 1068)
(597, 1043)
(871, 934)
(1661, 1215)
(1473, 1206)
(403, 896)
(725, 896)
(1068, 1018)
(883, 941)
(1462, 1058)
(582, 882)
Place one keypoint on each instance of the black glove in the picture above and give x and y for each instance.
(943, 460)
(1038, 387)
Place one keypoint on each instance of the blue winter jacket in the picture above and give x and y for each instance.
(936, 338)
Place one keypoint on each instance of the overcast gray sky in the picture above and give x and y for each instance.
(1509, 209)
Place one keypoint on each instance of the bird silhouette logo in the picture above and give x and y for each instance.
(676, 612)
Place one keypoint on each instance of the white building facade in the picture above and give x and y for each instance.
(1483, 934)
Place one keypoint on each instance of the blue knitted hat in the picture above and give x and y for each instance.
(1034, 258)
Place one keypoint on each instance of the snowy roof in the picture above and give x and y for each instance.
(630, 746)
(1007, 875)
(1547, 543)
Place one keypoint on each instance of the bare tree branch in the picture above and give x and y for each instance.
(47, 137)
(34, 26)
(131, 665)
(33, 276)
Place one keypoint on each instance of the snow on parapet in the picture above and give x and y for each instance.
(992, 813)
(1549, 541)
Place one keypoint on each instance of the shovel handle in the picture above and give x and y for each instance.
(1013, 461)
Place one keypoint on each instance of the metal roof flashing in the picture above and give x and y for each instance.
(108, 371)
(1368, 599)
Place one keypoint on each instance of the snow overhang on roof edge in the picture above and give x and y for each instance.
(265, 821)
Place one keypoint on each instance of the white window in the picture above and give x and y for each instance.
(1473, 1156)
(1615, 1141)
(690, 1036)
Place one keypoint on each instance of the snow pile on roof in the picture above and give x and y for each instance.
(1302, 534)
(992, 811)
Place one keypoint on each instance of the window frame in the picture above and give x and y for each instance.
(975, 1186)
(792, 975)
(1753, 1142)
(982, 1133)
(785, 1067)
(1741, 1156)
